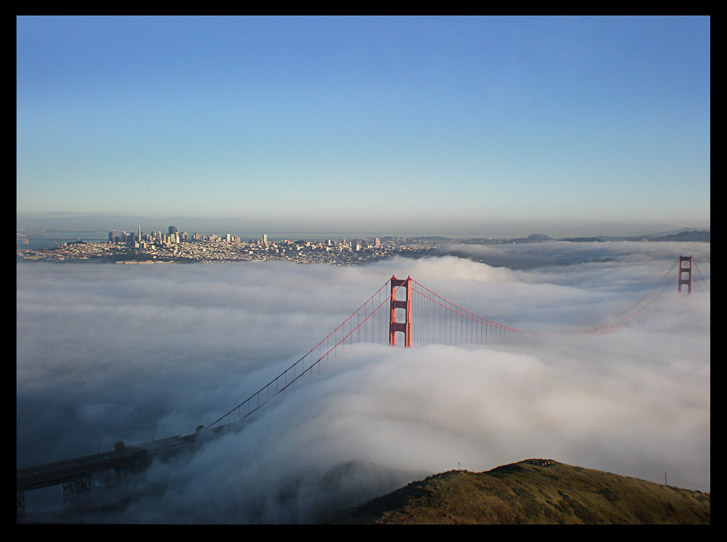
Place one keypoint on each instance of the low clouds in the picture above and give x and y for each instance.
(107, 353)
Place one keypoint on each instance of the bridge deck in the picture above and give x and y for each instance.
(131, 457)
(125, 458)
(64, 471)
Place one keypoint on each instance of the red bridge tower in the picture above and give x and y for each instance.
(394, 304)
(685, 273)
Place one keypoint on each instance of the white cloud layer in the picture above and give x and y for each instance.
(136, 353)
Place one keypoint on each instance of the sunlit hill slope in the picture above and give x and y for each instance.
(534, 491)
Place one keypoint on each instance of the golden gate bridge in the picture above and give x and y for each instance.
(392, 310)
(401, 313)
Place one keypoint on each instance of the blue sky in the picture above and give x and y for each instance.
(367, 122)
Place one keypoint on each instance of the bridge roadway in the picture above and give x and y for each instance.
(123, 459)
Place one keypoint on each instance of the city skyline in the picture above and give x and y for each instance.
(428, 124)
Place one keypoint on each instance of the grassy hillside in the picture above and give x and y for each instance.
(531, 492)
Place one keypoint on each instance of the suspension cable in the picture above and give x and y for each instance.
(274, 380)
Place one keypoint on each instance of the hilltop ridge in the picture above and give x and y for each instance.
(533, 491)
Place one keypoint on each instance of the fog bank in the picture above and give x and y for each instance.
(136, 353)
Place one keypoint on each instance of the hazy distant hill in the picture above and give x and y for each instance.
(534, 491)
(681, 235)
(693, 235)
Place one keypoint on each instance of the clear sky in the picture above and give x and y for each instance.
(366, 120)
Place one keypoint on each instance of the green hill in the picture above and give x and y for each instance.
(534, 491)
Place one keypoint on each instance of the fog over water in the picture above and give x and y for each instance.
(141, 352)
